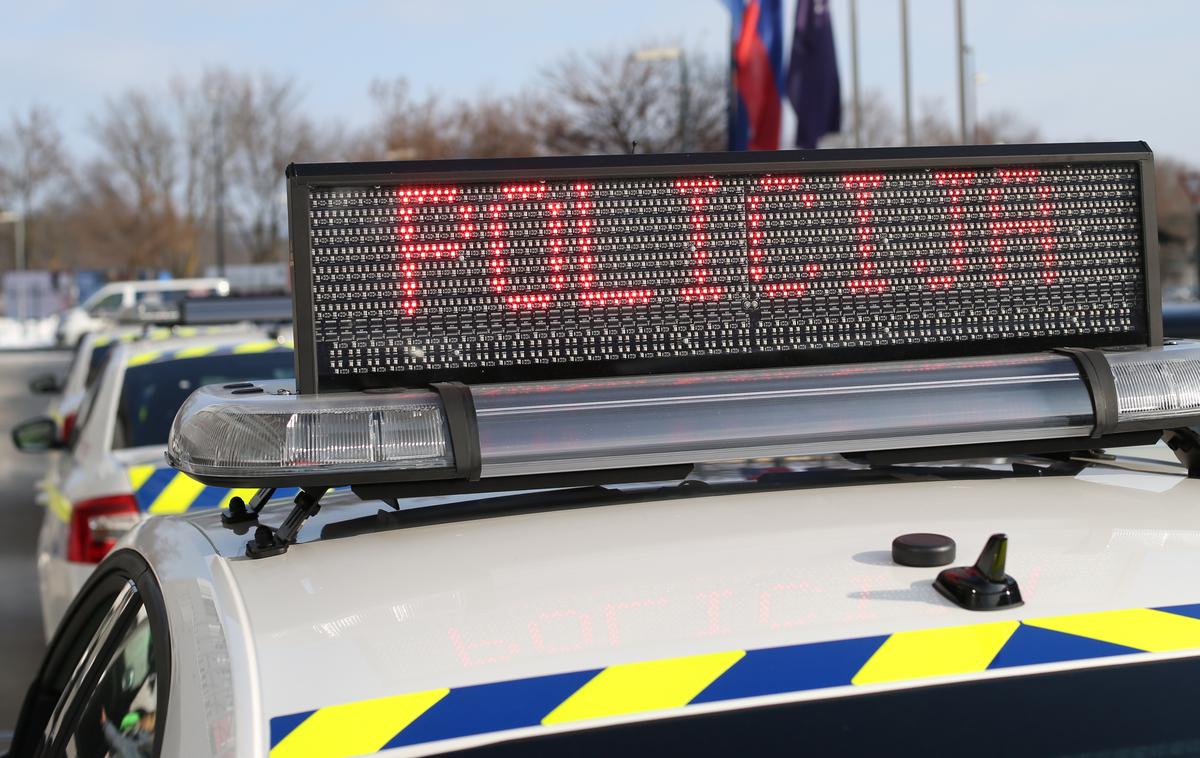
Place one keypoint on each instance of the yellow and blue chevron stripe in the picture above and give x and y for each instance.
(148, 357)
(165, 490)
(369, 726)
(160, 333)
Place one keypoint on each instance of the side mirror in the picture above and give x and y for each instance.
(36, 435)
(45, 384)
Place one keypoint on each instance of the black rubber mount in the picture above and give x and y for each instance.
(923, 550)
(268, 541)
(984, 586)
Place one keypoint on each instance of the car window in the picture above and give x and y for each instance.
(94, 630)
(96, 362)
(152, 393)
(108, 304)
(85, 410)
(119, 716)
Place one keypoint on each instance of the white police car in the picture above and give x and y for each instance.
(103, 307)
(111, 472)
(89, 355)
(622, 600)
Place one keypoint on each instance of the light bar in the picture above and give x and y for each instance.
(272, 439)
(223, 310)
(490, 271)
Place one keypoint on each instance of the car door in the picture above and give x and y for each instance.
(102, 686)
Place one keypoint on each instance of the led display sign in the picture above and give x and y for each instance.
(489, 270)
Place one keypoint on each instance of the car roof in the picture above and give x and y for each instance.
(249, 340)
(166, 284)
(535, 587)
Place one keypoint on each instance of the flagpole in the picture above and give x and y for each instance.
(854, 73)
(960, 54)
(906, 82)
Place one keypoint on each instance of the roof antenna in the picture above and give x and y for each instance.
(984, 586)
(633, 147)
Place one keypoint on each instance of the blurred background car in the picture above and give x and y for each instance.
(102, 308)
(111, 472)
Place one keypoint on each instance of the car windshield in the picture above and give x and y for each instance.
(152, 393)
(96, 362)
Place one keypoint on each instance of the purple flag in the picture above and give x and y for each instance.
(812, 79)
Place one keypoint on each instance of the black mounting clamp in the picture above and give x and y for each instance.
(268, 541)
(1185, 443)
(241, 513)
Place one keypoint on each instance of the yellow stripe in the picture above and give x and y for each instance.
(256, 347)
(1141, 628)
(139, 474)
(341, 731)
(177, 496)
(143, 358)
(101, 341)
(244, 493)
(647, 686)
(186, 331)
(935, 652)
(59, 505)
(195, 352)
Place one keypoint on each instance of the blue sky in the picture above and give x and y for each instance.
(1078, 69)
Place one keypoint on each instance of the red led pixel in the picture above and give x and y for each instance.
(412, 204)
(757, 248)
(695, 189)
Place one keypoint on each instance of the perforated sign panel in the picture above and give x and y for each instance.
(547, 271)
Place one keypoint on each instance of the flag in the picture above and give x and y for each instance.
(757, 66)
(812, 78)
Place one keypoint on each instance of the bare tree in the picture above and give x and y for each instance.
(267, 133)
(603, 102)
(33, 167)
(880, 126)
(131, 192)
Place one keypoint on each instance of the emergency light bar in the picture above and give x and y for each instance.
(501, 320)
(507, 270)
(222, 310)
(267, 436)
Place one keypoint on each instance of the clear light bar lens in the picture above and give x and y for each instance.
(216, 435)
(1156, 388)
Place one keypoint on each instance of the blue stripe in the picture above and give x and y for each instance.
(1032, 644)
(153, 487)
(492, 708)
(282, 726)
(209, 497)
(1183, 610)
(791, 669)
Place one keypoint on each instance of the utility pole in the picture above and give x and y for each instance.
(906, 82)
(858, 133)
(218, 186)
(17, 219)
(960, 55)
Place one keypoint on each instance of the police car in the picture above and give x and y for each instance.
(111, 471)
(987, 544)
(89, 355)
(190, 317)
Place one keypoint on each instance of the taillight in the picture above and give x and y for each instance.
(68, 426)
(97, 524)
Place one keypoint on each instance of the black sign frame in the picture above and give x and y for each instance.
(302, 178)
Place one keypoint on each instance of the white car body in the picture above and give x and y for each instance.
(92, 468)
(442, 633)
(98, 310)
